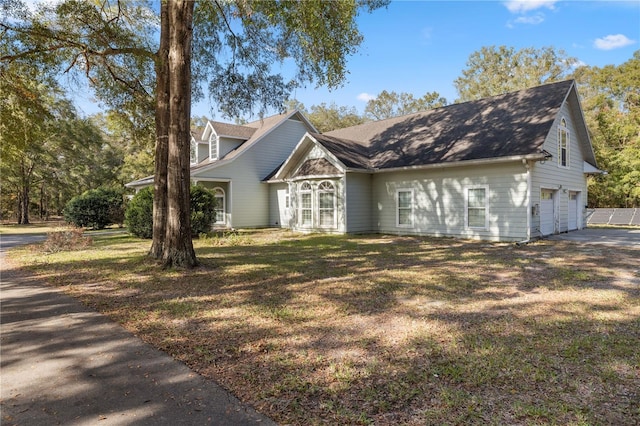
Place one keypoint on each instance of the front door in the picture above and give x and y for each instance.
(573, 211)
(547, 209)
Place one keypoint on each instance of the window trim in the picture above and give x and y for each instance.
(224, 206)
(214, 141)
(303, 192)
(411, 208)
(563, 130)
(467, 207)
(334, 209)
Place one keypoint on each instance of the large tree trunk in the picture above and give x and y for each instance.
(178, 247)
(162, 138)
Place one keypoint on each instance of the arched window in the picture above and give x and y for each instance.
(213, 146)
(327, 204)
(563, 144)
(306, 215)
(219, 206)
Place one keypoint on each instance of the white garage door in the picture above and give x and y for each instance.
(573, 211)
(546, 212)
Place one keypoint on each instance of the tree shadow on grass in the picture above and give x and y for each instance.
(396, 330)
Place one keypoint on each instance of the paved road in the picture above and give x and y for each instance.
(64, 364)
(604, 236)
(9, 241)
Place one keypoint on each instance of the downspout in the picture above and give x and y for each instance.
(527, 166)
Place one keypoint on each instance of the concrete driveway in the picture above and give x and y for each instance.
(604, 236)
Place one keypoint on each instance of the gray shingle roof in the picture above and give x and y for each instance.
(233, 130)
(512, 124)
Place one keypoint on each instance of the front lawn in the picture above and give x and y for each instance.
(385, 330)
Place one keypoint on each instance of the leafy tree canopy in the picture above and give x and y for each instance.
(495, 70)
(392, 104)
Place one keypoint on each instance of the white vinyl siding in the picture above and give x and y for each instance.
(279, 213)
(226, 145)
(551, 175)
(248, 203)
(439, 203)
(359, 206)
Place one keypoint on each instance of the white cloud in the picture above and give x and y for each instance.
(365, 97)
(612, 41)
(530, 20)
(523, 6)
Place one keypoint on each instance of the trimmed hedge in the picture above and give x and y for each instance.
(95, 209)
(139, 214)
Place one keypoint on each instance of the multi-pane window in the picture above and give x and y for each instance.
(563, 144)
(477, 208)
(193, 152)
(213, 146)
(218, 206)
(405, 207)
(326, 204)
(306, 216)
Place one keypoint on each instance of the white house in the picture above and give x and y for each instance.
(233, 161)
(505, 168)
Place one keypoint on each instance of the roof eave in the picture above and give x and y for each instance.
(463, 163)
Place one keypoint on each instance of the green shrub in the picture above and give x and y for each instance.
(202, 210)
(96, 209)
(139, 213)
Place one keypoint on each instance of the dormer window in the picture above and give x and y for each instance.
(193, 152)
(213, 146)
(563, 144)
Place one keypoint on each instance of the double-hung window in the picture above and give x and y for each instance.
(477, 208)
(404, 207)
(306, 212)
(327, 205)
(563, 144)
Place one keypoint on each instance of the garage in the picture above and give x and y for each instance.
(547, 212)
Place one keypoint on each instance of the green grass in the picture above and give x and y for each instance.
(36, 227)
(318, 329)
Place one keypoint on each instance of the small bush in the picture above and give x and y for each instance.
(202, 210)
(139, 213)
(66, 240)
(96, 209)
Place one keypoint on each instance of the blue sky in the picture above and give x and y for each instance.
(423, 46)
